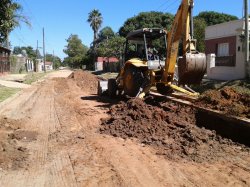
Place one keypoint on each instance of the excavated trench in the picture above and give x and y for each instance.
(235, 129)
(178, 131)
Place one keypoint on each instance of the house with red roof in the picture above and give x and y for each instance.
(108, 64)
(40, 65)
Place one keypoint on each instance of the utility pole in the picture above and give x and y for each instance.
(37, 49)
(246, 38)
(36, 61)
(54, 60)
(44, 55)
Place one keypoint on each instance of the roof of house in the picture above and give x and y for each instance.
(4, 49)
(106, 59)
(48, 63)
(226, 29)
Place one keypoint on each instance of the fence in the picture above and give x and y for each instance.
(4, 60)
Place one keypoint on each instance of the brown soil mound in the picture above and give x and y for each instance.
(170, 128)
(85, 80)
(12, 155)
(227, 100)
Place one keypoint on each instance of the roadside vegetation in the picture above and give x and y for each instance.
(33, 77)
(6, 92)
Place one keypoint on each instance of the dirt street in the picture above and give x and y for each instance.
(53, 134)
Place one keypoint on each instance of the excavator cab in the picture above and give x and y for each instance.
(148, 45)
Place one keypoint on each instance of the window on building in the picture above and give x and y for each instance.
(223, 49)
(223, 58)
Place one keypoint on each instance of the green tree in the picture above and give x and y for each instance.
(95, 21)
(147, 19)
(17, 50)
(199, 33)
(10, 17)
(112, 47)
(29, 50)
(213, 18)
(105, 33)
(76, 51)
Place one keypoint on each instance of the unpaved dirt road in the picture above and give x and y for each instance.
(52, 131)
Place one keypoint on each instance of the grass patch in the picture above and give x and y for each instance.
(6, 92)
(33, 77)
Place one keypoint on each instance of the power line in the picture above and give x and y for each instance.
(20, 38)
(163, 4)
(36, 21)
(174, 9)
(175, 4)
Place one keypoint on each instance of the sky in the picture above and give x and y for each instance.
(61, 18)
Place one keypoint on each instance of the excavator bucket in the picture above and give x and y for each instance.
(191, 68)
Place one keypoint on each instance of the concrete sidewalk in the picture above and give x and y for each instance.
(12, 84)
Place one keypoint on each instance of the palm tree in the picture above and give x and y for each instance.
(95, 20)
(10, 18)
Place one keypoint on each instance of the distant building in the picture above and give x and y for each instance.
(40, 65)
(29, 65)
(4, 60)
(22, 63)
(49, 65)
(225, 50)
(107, 64)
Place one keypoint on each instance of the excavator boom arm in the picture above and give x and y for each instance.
(180, 30)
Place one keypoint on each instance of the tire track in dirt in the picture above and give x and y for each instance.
(47, 167)
(67, 120)
(89, 166)
(104, 160)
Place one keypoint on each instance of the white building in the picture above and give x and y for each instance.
(29, 65)
(40, 65)
(226, 42)
(23, 63)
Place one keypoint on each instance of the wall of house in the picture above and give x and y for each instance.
(211, 45)
(111, 66)
(99, 66)
(4, 61)
(39, 65)
(29, 65)
(226, 33)
(49, 67)
(18, 65)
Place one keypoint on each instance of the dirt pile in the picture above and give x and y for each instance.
(85, 80)
(170, 128)
(227, 100)
(12, 154)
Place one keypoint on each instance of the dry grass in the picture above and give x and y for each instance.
(33, 77)
(6, 92)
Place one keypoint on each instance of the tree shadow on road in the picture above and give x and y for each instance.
(105, 101)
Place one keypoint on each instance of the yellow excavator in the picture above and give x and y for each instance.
(151, 59)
